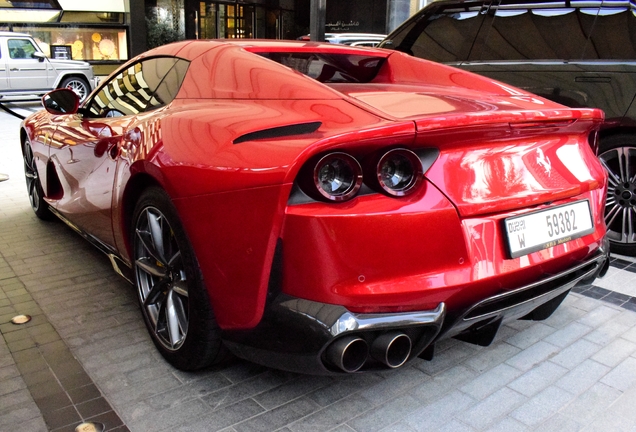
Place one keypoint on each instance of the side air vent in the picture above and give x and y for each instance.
(278, 132)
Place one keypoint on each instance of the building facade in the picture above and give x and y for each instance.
(108, 32)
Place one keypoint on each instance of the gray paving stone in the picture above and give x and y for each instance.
(455, 426)
(533, 355)
(448, 358)
(15, 398)
(401, 381)
(186, 392)
(489, 410)
(630, 334)
(559, 423)
(575, 354)
(278, 417)
(589, 405)
(564, 316)
(432, 416)
(169, 419)
(623, 376)
(343, 387)
(222, 418)
(333, 415)
(540, 407)
(508, 424)
(568, 334)
(17, 414)
(614, 353)
(12, 384)
(607, 332)
(624, 406)
(490, 381)
(609, 422)
(123, 393)
(397, 427)
(582, 377)
(531, 335)
(598, 316)
(291, 390)
(440, 385)
(491, 357)
(388, 413)
(537, 378)
(584, 303)
(248, 388)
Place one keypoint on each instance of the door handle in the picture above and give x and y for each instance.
(14, 69)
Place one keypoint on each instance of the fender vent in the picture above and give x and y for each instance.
(278, 132)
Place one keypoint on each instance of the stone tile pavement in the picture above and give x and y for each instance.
(575, 371)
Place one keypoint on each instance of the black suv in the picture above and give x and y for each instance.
(577, 53)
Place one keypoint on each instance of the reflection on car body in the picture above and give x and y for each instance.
(322, 208)
(579, 54)
(353, 39)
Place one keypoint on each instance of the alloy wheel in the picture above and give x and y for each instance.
(32, 180)
(161, 278)
(79, 87)
(620, 208)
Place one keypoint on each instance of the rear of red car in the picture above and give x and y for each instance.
(489, 210)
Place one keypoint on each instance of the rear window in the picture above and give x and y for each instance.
(330, 68)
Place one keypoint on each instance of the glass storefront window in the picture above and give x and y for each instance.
(218, 20)
(86, 43)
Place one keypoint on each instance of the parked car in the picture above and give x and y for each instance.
(353, 39)
(28, 71)
(322, 208)
(580, 54)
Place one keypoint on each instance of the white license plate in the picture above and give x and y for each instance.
(547, 228)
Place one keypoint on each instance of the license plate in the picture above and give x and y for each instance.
(547, 228)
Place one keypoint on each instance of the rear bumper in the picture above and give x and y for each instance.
(297, 334)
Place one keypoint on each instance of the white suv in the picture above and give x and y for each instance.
(25, 69)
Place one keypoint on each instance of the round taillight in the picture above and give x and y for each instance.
(337, 176)
(399, 171)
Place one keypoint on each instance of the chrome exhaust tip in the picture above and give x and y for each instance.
(393, 349)
(348, 353)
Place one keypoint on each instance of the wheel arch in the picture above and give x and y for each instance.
(621, 130)
(65, 76)
(137, 184)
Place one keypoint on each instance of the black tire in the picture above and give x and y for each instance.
(618, 155)
(172, 296)
(78, 85)
(34, 187)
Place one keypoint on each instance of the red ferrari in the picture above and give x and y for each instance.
(322, 208)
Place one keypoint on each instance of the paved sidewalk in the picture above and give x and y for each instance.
(575, 371)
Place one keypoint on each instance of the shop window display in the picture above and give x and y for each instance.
(86, 43)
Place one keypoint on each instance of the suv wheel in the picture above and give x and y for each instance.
(78, 85)
(618, 155)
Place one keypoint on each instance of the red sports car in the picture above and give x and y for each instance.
(322, 208)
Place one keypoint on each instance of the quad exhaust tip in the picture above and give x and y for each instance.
(348, 353)
(393, 349)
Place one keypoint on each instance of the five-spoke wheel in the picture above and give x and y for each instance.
(34, 187)
(161, 278)
(173, 298)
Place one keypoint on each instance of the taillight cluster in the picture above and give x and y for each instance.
(339, 176)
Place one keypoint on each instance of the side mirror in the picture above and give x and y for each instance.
(38, 55)
(61, 101)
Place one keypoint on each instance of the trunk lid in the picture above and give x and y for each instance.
(498, 152)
